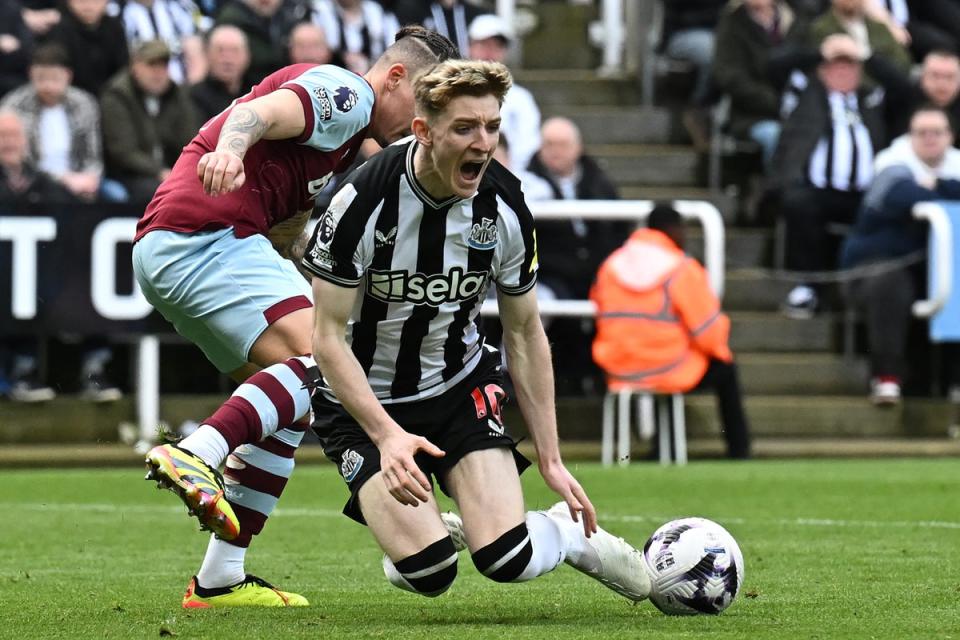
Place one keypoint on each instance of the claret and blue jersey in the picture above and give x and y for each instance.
(282, 176)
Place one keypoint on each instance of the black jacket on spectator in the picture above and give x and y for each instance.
(809, 122)
(904, 98)
(41, 191)
(210, 97)
(573, 257)
(96, 54)
(742, 66)
(14, 65)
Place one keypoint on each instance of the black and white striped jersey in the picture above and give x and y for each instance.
(843, 157)
(424, 268)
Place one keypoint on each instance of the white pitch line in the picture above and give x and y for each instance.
(296, 512)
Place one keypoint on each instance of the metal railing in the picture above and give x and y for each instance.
(699, 210)
(941, 262)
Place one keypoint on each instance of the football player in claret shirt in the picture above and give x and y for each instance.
(410, 393)
(210, 254)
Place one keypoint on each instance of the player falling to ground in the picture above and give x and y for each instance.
(210, 256)
(402, 260)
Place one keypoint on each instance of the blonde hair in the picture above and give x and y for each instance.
(454, 78)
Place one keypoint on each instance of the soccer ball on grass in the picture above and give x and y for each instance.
(695, 566)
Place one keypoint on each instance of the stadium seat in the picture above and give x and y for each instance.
(660, 413)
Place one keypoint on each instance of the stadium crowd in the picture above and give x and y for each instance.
(97, 98)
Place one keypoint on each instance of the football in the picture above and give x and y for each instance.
(695, 567)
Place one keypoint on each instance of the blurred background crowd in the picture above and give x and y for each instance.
(830, 117)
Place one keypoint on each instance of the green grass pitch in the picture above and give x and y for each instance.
(833, 549)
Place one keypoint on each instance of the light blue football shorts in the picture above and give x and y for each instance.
(218, 291)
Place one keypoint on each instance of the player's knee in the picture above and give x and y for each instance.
(429, 572)
(506, 558)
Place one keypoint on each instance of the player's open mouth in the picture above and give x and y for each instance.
(470, 170)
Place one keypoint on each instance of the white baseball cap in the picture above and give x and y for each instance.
(489, 25)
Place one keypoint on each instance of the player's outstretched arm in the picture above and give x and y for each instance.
(275, 116)
(404, 479)
(532, 372)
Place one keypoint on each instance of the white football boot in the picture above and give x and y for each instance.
(454, 526)
(614, 562)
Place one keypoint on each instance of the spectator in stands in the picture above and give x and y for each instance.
(228, 59)
(266, 25)
(147, 119)
(451, 18)
(171, 21)
(688, 34)
(490, 39)
(939, 85)
(747, 35)
(917, 167)
(16, 44)
(95, 43)
(572, 250)
(823, 162)
(308, 43)
(873, 38)
(40, 16)
(921, 26)
(561, 161)
(660, 327)
(357, 30)
(63, 126)
(21, 183)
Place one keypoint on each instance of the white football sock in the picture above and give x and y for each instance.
(223, 564)
(579, 553)
(548, 543)
(207, 444)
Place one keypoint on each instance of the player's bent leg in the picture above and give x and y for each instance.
(506, 544)
(420, 556)
(270, 399)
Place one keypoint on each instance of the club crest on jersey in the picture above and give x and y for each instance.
(326, 111)
(350, 466)
(345, 98)
(483, 235)
(383, 240)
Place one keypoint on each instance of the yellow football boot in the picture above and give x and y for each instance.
(252, 592)
(199, 485)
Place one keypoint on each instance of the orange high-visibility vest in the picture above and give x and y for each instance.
(658, 321)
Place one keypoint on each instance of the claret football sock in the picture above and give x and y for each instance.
(268, 400)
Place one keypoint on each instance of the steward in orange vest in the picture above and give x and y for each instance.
(659, 325)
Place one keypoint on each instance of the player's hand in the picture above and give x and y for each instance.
(404, 479)
(220, 172)
(562, 481)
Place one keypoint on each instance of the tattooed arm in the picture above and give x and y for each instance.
(275, 116)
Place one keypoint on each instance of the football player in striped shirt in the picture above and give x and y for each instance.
(402, 261)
